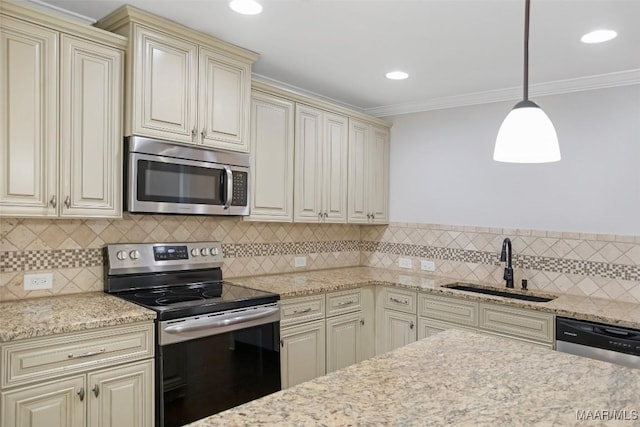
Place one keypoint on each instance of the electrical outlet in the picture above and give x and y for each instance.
(404, 262)
(427, 265)
(300, 261)
(36, 282)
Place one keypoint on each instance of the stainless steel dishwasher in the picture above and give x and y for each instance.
(598, 341)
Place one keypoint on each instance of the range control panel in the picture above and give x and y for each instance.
(152, 257)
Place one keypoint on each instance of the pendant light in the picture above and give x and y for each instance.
(527, 134)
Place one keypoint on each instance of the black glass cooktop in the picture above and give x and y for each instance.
(173, 302)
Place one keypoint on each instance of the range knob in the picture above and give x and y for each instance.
(134, 254)
(213, 251)
(195, 252)
(121, 255)
(204, 251)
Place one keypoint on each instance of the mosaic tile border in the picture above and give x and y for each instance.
(14, 261)
(555, 265)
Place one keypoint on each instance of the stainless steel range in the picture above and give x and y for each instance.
(217, 344)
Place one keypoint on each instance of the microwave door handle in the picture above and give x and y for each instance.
(229, 180)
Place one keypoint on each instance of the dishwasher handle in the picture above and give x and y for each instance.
(617, 333)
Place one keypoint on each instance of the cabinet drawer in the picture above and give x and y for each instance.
(518, 323)
(399, 300)
(49, 357)
(448, 309)
(344, 302)
(300, 310)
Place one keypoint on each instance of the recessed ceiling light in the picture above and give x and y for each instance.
(397, 75)
(598, 36)
(246, 7)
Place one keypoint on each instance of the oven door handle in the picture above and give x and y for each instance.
(209, 323)
(229, 179)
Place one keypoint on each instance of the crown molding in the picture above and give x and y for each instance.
(305, 92)
(63, 12)
(600, 81)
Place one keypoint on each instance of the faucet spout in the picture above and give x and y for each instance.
(506, 256)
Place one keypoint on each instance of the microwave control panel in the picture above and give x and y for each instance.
(240, 184)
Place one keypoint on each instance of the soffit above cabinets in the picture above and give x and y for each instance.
(456, 52)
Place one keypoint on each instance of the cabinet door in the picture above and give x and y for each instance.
(29, 117)
(91, 131)
(223, 101)
(54, 404)
(303, 353)
(164, 86)
(334, 181)
(272, 158)
(121, 396)
(344, 340)
(308, 165)
(358, 201)
(379, 175)
(398, 329)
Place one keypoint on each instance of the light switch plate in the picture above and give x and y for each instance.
(404, 262)
(300, 261)
(427, 265)
(37, 282)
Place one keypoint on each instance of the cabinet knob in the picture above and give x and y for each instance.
(411, 325)
(194, 132)
(67, 202)
(96, 390)
(53, 202)
(326, 214)
(361, 322)
(368, 216)
(282, 343)
(203, 133)
(81, 394)
(373, 216)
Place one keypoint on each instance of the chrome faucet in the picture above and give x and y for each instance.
(506, 257)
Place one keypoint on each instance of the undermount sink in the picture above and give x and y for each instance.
(471, 288)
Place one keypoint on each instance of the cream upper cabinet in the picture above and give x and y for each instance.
(29, 116)
(91, 130)
(368, 173)
(164, 86)
(320, 166)
(61, 92)
(184, 85)
(272, 133)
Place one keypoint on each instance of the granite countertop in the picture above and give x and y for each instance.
(38, 317)
(452, 378)
(308, 283)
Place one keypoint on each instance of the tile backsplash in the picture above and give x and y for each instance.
(604, 266)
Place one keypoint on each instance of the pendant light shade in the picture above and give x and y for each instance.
(527, 134)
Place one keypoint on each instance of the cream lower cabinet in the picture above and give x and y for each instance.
(114, 397)
(302, 356)
(94, 378)
(368, 173)
(396, 318)
(321, 149)
(272, 124)
(61, 101)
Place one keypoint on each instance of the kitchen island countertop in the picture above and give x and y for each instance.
(453, 378)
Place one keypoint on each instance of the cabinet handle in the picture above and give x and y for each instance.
(282, 343)
(320, 215)
(362, 322)
(396, 300)
(326, 214)
(96, 390)
(306, 310)
(53, 202)
(81, 394)
(368, 216)
(373, 216)
(194, 132)
(343, 303)
(67, 202)
(203, 134)
(411, 325)
(87, 354)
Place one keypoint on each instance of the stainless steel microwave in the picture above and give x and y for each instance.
(165, 177)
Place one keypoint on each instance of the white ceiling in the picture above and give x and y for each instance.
(341, 49)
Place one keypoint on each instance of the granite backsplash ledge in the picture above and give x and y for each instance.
(604, 266)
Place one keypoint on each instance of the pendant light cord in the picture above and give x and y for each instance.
(525, 90)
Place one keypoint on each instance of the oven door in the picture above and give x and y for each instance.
(161, 184)
(236, 361)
